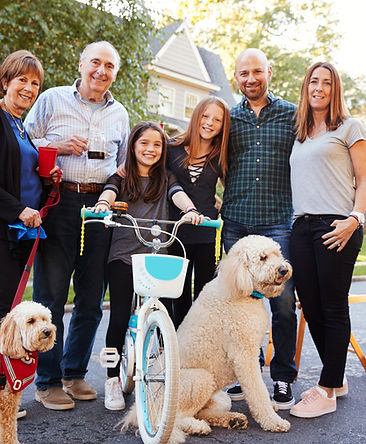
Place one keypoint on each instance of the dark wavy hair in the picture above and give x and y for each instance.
(157, 172)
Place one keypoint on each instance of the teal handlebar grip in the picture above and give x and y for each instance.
(211, 223)
(89, 213)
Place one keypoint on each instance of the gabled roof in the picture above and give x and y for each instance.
(217, 74)
(165, 33)
(212, 70)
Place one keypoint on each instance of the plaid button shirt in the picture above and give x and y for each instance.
(257, 184)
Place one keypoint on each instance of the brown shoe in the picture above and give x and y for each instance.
(79, 389)
(54, 398)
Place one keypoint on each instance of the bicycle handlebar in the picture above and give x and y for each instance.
(105, 217)
(102, 214)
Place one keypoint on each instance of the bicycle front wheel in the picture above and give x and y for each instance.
(157, 392)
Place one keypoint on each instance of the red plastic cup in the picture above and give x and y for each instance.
(47, 160)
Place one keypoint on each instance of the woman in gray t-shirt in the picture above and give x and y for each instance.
(328, 180)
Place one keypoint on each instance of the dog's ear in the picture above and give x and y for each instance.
(234, 271)
(10, 338)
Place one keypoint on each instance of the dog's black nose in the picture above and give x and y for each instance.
(282, 271)
(46, 332)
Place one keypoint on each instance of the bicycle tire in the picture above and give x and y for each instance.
(128, 365)
(157, 392)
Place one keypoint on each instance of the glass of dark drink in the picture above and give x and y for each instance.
(96, 145)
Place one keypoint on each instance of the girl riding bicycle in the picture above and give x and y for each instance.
(146, 188)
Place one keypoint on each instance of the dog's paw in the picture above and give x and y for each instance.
(202, 428)
(274, 405)
(239, 422)
(194, 426)
(279, 425)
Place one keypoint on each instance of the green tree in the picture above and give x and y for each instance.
(58, 30)
(292, 33)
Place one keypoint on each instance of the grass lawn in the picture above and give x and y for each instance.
(362, 255)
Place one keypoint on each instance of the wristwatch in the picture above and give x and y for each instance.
(360, 217)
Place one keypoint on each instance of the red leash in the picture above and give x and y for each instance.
(52, 200)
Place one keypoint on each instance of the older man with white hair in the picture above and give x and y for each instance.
(66, 117)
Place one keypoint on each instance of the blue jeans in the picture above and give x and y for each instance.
(58, 257)
(323, 278)
(284, 321)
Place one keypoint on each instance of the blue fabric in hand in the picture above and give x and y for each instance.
(26, 233)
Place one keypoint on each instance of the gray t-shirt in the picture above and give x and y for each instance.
(124, 241)
(322, 177)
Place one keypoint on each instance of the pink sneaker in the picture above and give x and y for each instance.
(339, 392)
(316, 403)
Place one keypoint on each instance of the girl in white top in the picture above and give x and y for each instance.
(328, 179)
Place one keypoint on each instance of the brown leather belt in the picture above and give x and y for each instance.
(84, 188)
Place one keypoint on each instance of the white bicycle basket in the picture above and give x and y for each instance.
(159, 275)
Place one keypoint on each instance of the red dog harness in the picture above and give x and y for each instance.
(19, 372)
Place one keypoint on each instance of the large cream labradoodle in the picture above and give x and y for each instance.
(27, 329)
(220, 337)
(219, 342)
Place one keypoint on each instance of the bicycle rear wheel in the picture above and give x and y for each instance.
(128, 364)
(157, 392)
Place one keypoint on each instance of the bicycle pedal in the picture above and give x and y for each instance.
(109, 357)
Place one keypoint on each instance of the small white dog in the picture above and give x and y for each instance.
(26, 330)
(220, 338)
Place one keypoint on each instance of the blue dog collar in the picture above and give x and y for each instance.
(257, 295)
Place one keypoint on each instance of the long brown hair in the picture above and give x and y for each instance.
(337, 111)
(191, 138)
(157, 173)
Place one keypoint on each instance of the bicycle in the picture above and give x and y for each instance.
(150, 358)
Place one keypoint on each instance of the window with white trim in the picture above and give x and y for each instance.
(191, 101)
(166, 100)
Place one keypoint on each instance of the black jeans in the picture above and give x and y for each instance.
(11, 271)
(322, 280)
(120, 294)
(202, 261)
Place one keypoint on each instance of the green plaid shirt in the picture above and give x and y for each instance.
(257, 184)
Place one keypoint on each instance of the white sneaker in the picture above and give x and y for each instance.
(113, 394)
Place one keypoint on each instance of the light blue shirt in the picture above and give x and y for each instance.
(60, 113)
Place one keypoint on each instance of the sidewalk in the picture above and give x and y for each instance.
(91, 423)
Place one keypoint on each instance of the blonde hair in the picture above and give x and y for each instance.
(337, 111)
(191, 138)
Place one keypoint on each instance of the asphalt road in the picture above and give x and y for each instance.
(91, 423)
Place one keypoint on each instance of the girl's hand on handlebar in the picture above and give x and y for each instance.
(99, 207)
(194, 217)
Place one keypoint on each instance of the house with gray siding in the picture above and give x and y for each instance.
(183, 75)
